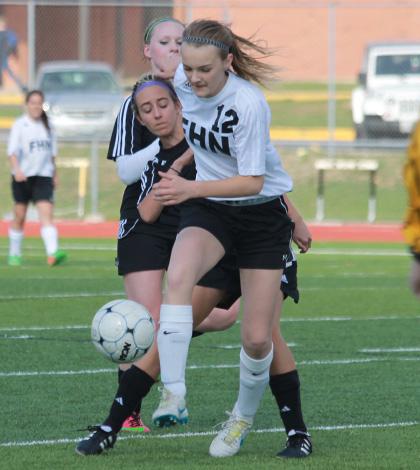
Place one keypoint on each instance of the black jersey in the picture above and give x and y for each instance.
(128, 137)
(167, 223)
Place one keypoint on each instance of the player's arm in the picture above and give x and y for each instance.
(18, 174)
(149, 206)
(301, 234)
(130, 167)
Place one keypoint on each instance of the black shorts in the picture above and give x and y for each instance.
(225, 276)
(259, 234)
(143, 252)
(35, 188)
(416, 255)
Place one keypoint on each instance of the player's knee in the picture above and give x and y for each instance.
(257, 344)
(179, 280)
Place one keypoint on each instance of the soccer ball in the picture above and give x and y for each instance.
(122, 330)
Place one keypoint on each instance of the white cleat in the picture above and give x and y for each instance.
(171, 410)
(231, 437)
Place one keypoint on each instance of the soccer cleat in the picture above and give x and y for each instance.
(57, 258)
(14, 260)
(98, 441)
(298, 445)
(134, 423)
(231, 437)
(171, 410)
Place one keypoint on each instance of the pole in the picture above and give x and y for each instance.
(31, 18)
(331, 78)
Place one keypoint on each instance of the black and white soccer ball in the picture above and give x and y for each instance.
(122, 330)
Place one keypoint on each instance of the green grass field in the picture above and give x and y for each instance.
(355, 335)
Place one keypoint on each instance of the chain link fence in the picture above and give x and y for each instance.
(338, 97)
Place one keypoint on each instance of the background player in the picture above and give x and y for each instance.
(411, 227)
(32, 149)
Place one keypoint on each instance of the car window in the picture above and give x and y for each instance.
(78, 80)
(403, 64)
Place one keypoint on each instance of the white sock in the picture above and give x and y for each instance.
(49, 235)
(174, 338)
(253, 380)
(15, 242)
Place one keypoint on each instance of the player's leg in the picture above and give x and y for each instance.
(176, 316)
(16, 234)
(136, 382)
(285, 387)
(415, 275)
(259, 289)
(43, 198)
(21, 196)
(138, 287)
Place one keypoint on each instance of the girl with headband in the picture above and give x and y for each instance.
(130, 136)
(237, 202)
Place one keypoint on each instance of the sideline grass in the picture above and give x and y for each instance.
(352, 300)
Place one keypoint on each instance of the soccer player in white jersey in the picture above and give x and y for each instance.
(237, 201)
(132, 146)
(31, 150)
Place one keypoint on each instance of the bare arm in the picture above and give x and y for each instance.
(301, 234)
(17, 172)
(174, 190)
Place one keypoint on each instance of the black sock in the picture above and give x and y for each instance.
(138, 406)
(286, 391)
(135, 385)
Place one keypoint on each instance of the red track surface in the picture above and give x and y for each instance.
(320, 232)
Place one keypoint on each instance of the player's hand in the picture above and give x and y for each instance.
(302, 236)
(19, 176)
(185, 159)
(172, 189)
(167, 71)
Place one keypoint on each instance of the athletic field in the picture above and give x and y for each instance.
(355, 335)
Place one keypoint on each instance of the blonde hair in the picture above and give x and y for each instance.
(247, 52)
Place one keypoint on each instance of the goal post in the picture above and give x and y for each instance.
(82, 164)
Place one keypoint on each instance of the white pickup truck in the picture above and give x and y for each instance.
(386, 103)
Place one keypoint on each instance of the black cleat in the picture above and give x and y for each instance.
(298, 445)
(98, 441)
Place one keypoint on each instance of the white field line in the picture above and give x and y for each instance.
(315, 319)
(313, 251)
(338, 427)
(350, 252)
(315, 362)
(389, 350)
(68, 295)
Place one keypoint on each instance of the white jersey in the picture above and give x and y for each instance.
(230, 134)
(33, 146)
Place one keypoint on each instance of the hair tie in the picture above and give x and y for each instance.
(142, 86)
(206, 41)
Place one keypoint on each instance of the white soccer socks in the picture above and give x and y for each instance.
(253, 380)
(49, 235)
(174, 338)
(15, 242)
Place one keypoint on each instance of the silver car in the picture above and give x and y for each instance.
(82, 99)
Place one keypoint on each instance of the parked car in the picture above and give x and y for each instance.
(82, 98)
(387, 100)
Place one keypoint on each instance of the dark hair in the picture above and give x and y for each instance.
(44, 117)
(147, 78)
(244, 63)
